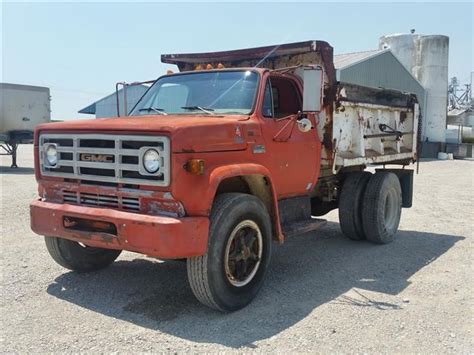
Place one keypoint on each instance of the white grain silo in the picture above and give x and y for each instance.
(427, 58)
(403, 46)
(432, 71)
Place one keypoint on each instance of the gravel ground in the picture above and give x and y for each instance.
(323, 294)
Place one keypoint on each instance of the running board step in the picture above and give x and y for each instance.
(301, 227)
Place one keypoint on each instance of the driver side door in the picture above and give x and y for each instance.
(293, 155)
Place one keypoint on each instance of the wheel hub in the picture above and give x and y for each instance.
(243, 253)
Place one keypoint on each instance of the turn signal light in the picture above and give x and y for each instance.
(194, 166)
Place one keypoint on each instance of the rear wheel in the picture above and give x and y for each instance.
(350, 204)
(232, 271)
(79, 257)
(382, 207)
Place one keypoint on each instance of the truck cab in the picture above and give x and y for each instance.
(215, 163)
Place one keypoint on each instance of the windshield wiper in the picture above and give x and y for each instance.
(155, 109)
(199, 108)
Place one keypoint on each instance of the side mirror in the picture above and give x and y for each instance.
(312, 89)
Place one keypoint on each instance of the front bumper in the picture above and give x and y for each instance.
(158, 236)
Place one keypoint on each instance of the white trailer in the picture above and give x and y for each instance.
(22, 108)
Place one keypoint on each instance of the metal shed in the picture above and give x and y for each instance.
(378, 68)
(107, 106)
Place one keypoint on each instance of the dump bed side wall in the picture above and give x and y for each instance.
(359, 138)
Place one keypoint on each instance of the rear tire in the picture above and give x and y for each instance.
(78, 257)
(232, 271)
(382, 207)
(350, 204)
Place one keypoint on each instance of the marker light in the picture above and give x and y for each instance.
(194, 166)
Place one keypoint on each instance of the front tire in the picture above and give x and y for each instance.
(231, 273)
(78, 257)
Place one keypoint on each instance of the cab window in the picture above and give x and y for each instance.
(267, 109)
(281, 98)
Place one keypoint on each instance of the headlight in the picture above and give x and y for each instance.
(151, 161)
(51, 154)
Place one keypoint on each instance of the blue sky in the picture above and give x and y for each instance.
(80, 50)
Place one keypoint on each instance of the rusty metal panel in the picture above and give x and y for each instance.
(373, 126)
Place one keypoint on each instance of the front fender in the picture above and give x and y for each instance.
(222, 173)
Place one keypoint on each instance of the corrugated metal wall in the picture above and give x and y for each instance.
(385, 71)
(107, 107)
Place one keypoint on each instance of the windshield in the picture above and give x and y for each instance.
(209, 93)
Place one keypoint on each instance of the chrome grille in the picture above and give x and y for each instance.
(106, 158)
(110, 201)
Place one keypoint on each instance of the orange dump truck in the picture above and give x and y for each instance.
(214, 163)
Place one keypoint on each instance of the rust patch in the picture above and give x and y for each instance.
(166, 208)
(99, 237)
(188, 150)
(327, 131)
(106, 238)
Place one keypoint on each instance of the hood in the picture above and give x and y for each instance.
(188, 133)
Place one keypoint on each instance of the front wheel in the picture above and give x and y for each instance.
(78, 257)
(232, 271)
